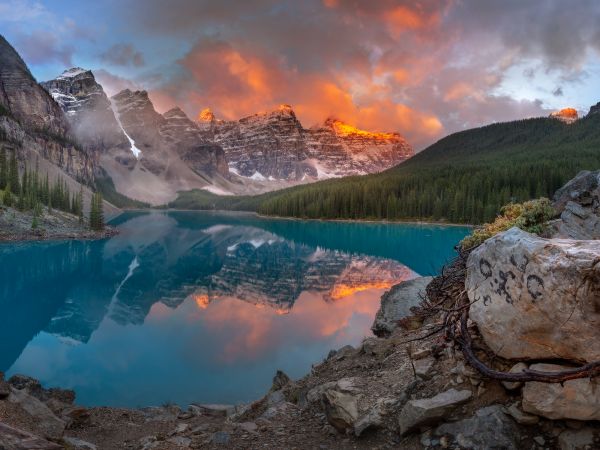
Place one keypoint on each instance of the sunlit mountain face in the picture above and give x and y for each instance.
(207, 298)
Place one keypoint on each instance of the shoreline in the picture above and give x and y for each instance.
(39, 237)
(300, 219)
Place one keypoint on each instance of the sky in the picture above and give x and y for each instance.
(422, 68)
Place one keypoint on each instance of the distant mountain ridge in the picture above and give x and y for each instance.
(150, 157)
(465, 177)
(275, 145)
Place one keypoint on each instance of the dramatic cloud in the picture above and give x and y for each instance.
(123, 55)
(424, 68)
(112, 84)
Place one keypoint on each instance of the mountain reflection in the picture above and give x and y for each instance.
(234, 282)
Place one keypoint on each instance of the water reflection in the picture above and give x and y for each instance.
(197, 306)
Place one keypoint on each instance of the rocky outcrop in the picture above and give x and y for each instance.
(396, 304)
(578, 203)
(566, 115)
(24, 99)
(275, 146)
(595, 109)
(536, 298)
(33, 124)
(573, 399)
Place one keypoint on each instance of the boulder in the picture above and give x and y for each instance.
(424, 367)
(14, 439)
(373, 418)
(396, 304)
(536, 298)
(488, 428)
(346, 385)
(341, 409)
(46, 421)
(584, 189)
(578, 204)
(574, 399)
(577, 222)
(427, 411)
(577, 439)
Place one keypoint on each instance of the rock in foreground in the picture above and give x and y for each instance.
(417, 413)
(536, 298)
(396, 304)
(574, 399)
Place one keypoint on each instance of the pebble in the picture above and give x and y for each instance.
(539, 440)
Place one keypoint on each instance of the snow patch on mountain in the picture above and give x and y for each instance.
(136, 151)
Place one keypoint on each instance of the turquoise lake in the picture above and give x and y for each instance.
(198, 306)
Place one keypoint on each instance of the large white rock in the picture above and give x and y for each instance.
(536, 298)
(574, 399)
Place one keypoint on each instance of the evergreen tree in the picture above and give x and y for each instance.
(7, 198)
(80, 204)
(3, 169)
(13, 174)
(96, 212)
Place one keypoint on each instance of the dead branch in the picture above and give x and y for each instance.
(446, 295)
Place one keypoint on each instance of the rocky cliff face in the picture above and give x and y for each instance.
(23, 97)
(275, 146)
(341, 149)
(185, 137)
(33, 124)
(90, 114)
(262, 146)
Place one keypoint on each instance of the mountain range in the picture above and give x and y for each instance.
(123, 146)
(269, 162)
(465, 177)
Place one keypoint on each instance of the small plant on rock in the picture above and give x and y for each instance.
(531, 216)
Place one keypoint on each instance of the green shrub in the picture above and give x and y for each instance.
(531, 216)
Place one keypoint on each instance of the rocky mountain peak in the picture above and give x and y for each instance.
(176, 113)
(595, 109)
(286, 109)
(88, 109)
(566, 115)
(344, 129)
(127, 99)
(75, 72)
(206, 115)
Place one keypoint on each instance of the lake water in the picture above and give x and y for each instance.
(200, 307)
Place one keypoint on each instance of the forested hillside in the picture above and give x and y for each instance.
(463, 178)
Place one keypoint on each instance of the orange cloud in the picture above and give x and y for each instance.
(402, 18)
